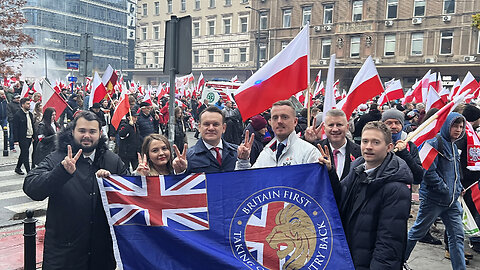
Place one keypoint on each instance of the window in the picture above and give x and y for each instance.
(212, 4)
(419, 8)
(157, 8)
(196, 29)
(210, 56)
(243, 25)
(287, 16)
(263, 52)
(357, 11)
(197, 4)
(145, 9)
(389, 45)
(446, 41)
(156, 57)
(448, 6)
(355, 47)
(284, 44)
(392, 6)
(227, 26)
(243, 54)
(417, 43)
(326, 47)
(144, 58)
(226, 55)
(183, 5)
(144, 33)
(263, 21)
(211, 28)
(156, 32)
(195, 57)
(228, 2)
(306, 15)
(169, 6)
(328, 14)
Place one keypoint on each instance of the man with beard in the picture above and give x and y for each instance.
(77, 235)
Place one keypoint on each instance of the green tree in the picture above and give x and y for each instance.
(12, 38)
(476, 21)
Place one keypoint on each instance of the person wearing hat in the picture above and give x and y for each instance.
(257, 126)
(130, 142)
(96, 110)
(146, 122)
(12, 108)
(372, 115)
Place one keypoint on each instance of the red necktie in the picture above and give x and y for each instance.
(219, 157)
(335, 159)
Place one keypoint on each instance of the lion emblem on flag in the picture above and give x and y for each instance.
(296, 231)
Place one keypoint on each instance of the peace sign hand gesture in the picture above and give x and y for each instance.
(244, 149)
(69, 162)
(324, 157)
(143, 168)
(180, 162)
(312, 133)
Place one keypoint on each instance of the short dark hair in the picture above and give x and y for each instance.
(380, 126)
(24, 100)
(212, 109)
(87, 115)
(459, 120)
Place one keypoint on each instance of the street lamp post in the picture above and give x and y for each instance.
(257, 38)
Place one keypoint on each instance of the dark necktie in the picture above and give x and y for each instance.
(280, 148)
(219, 157)
(335, 157)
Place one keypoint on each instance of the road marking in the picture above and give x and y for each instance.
(5, 183)
(12, 194)
(20, 208)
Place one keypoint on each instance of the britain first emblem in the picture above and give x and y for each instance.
(281, 228)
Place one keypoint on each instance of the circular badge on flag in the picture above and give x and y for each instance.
(281, 228)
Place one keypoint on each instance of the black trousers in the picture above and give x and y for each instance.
(23, 158)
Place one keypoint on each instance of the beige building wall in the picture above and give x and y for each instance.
(220, 37)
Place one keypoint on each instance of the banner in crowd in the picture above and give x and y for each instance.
(272, 218)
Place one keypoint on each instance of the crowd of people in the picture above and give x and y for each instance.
(372, 168)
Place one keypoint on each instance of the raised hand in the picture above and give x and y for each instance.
(180, 162)
(324, 157)
(244, 148)
(311, 133)
(143, 168)
(69, 162)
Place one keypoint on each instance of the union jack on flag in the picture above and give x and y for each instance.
(175, 201)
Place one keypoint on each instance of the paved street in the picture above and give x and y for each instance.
(13, 203)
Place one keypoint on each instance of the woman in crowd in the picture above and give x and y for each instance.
(46, 131)
(156, 158)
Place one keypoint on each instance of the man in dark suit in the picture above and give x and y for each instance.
(342, 150)
(211, 153)
(23, 133)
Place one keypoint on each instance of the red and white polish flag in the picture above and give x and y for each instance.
(433, 100)
(444, 95)
(366, 85)
(421, 90)
(427, 155)
(98, 91)
(284, 75)
(469, 84)
(51, 98)
(123, 107)
(394, 91)
(455, 88)
(25, 89)
(408, 97)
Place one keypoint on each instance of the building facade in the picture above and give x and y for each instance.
(221, 38)
(57, 27)
(406, 38)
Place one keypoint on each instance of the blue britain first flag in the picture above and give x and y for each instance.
(273, 218)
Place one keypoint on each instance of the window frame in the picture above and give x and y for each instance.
(226, 55)
(194, 30)
(156, 7)
(414, 40)
(392, 4)
(442, 39)
(262, 52)
(211, 4)
(387, 43)
(242, 54)
(196, 56)
(169, 6)
(358, 8)
(225, 26)
(241, 24)
(210, 27)
(415, 5)
(357, 44)
(306, 13)
(328, 10)
(263, 20)
(144, 33)
(211, 57)
(183, 5)
(144, 9)
(287, 18)
(444, 6)
(324, 44)
(156, 32)
(197, 5)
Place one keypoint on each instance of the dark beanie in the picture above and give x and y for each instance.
(393, 114)
(258, 122)
(471, 113)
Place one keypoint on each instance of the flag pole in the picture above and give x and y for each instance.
(308, 105)
(130, 114)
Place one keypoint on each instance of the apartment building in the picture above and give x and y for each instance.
(220, 38)
(406, 38)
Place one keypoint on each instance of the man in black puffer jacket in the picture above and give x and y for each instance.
(374, 201)
(77, 235)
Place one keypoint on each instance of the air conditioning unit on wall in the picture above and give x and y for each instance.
(388, 23)
(469, 58)
(446, 18)
(327, 27)
(417, 21)
(317, 28)
(430, 60)
(322, 62)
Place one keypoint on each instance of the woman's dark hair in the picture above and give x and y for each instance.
(146, 149)
(47, 116)
(179, 109)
